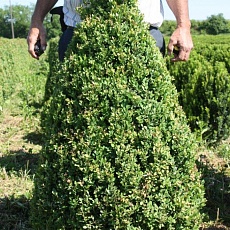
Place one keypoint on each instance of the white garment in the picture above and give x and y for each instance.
(71, 17)
(152, 11)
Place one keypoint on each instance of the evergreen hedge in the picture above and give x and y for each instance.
(54, 66)
(204, 88)
(118, 152)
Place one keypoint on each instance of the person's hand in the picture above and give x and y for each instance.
(36, 32)
(182, 41)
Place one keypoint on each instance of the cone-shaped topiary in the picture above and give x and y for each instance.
(118, 152)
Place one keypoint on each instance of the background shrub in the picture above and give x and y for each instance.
(118, 153)
(204, 88)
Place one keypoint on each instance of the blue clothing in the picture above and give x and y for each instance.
(68, 34)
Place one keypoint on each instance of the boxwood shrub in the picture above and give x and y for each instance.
(118, 152)
(52, 58)
(204, 88)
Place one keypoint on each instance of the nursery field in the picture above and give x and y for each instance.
(22, 87)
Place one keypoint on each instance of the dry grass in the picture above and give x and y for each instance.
(19, 149)
(20, 143)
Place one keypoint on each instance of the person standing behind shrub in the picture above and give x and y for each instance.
(153, 15)
(117, 153)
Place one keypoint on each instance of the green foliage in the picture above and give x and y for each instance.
(53, 28)
(197, 27)
(216, 53)
(21, 17)
(200, 40)
(21, 77)
(204, 88)
(118, 153)
(216, 24)
(22, 81)
(52, 58)
(168, 27)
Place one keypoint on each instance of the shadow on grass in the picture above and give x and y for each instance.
(14, 213)
(23, 158)
(217, 194)
(20, 160)
(34, 138)
(14, 209)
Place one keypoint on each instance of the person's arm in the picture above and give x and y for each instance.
(181, 37)
(37, 30)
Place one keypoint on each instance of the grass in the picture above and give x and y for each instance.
(216, 173)
(17, 167)
(22, 83)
